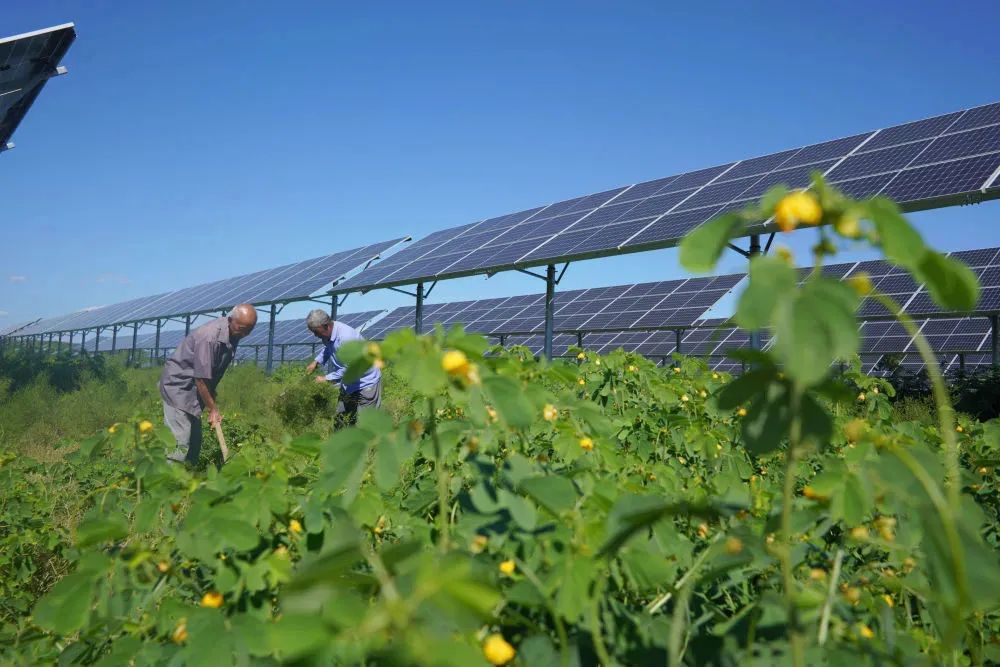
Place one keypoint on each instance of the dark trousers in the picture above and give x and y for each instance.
(347, 408)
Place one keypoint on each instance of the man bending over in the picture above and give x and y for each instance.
(192, 373)
(364, 393)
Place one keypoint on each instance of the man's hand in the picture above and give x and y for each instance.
(214, 417)
(321, 378)
(310, 368)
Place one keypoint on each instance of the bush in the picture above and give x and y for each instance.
(303, 401)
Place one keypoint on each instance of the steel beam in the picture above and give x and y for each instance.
(71, 334)
(159, 324)
(83, 341)
(550, 294)
(187, 323)
(754, 252)
(135, 341)
(418, 323)
(333, 308)
(269, 368)
(97, 340)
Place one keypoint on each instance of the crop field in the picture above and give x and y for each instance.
(502, 509)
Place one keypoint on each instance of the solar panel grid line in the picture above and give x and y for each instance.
(991, 180)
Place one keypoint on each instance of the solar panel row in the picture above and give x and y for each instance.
(952, 158)
(291, 282)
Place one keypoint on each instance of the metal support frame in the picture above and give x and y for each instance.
(159, 324)
(135, 341)
(754, 252)
(961, 361)
(269, 368)
(418, 317)
(187, 324)
(114, 339)
(97, 339)
(550, 306)
(579, 339)
(677, 341)
(71, 333)
(333, 308)
(83, 342)
(283, 346)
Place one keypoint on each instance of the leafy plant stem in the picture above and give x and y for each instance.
(831, 592)
(556, 619)
(946, 414)
(595, 621)
(656, 604)
(788, 493)
(678, 626)
(442, 481)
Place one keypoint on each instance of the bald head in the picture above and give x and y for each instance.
(242, 319)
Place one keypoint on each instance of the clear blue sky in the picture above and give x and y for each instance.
(193, 141)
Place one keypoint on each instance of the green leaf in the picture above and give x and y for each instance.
(234, 533)
(66, 608)
(701, 248)
(100, 529)
(901, 243)
(744, 388)
(771, 280)
(508, 398)
(766, 425)
(295, 635)
(522, 511)
(815, 327)
(343, 456)
(556, 494)
(952, 284)
(388, 463)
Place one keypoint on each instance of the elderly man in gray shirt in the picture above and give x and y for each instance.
(192, 373)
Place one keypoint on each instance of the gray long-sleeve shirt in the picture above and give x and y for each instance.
(205, 354)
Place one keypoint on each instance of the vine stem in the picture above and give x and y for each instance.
(556, 619)
(595, 622)
(442, 482)
(824, 624)
(785, 553)
(946, 414)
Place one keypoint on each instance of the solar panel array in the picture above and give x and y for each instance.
(298, 342)
(954, 158)
(26, 62)
(658, 305)
(291, 282)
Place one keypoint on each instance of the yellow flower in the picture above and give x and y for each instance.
(491, 413)
(812, 494)
(797, 208)
(379, 364)
(875, 390)
(861, 283)
(479, 543)
(888, 600)
(549, 413)
(372, 349)
(859, 533)
(507, 567)
(586, 444)
(785, 254)
(866, 632)
(497, 650)
(180, 633)
(886, 528)
(734, 546)
(212, 600)
(703, 393)
(295, 526)
(685, 398)
(597, 362)
(715, 376)
(454, 362)
(633, 369)
(145, 426)
(908, 564)
(817, 574)
(682, 460)
(848, 226)
(959, 428)
(852, 594)
(855, 429)
(702, 530)
(581, 356)
(163, 566)
(581, 382)
(862, 397)
(677, 369)
(742, 412)
(113, 428)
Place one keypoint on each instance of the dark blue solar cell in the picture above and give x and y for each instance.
(875, 162)
(964, 144)
(717, 193)
(646, 189)
(826, 151)
(989, 300)
(694, 179)
(962, 343)
(794, 178)
(759, 165)
(921, 129)
(672, 227)
(942, 180)
(921, 304)
(863, 188)
(990, 277)
(979, 257)
(593, 201)
(978, 117)
(654, 206)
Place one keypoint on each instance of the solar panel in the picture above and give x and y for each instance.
(292, 339)
(27, 62)
(291, 282)
(949, 159)
(647, 306)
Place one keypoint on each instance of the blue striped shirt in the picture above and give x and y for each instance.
(336, 369)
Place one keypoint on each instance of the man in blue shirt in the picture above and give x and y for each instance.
(364, 393)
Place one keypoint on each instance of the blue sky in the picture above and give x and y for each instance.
(193, 141)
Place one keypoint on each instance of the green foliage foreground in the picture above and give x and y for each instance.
(603, 512)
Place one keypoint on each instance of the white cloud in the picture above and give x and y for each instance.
(17, 279)
(113, 278)
(4, 313)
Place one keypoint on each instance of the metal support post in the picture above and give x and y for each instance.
(995, 341)
(83, 341)
(754, 252)
(114, 339)
(503, 339)
(550, 293)
(71, 334)
(97, 340)
(270, 339)
(159, 324)
(256, 355)
(961, 361)
(579, 339)
(418, 323)
(283, 346)
(135, 341)
(48, 348)
(187, 324)
(333, 308)
(677, 341)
